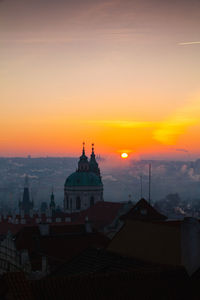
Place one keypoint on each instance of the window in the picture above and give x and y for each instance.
(143, 212)
(78, 203)
(91, 201)
(67, 203)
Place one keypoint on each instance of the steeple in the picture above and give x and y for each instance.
(83, 151)
(26, 182)
(83, 164)
(94, 167)
(52, 204)
(93, 155)
(26, 205)
(26, 195)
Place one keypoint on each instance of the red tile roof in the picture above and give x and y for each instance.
(5, 227)
(101, 214)
(63, 242)
(16, 286)
(143, 211)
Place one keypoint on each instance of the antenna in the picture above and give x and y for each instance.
(141, 192)
(149, 183)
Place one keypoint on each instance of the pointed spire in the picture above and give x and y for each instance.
(93, 163)
(83, 156)
(83, 152)
(83, 164)
(52, 204)
(52, 196)
(26, 181)
(26, 204)
(93, 154)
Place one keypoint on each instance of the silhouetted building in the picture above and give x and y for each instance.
(52, 205)
(43, 207)
(148, 236)
(26, 205)
(84, 187)
(143, 211)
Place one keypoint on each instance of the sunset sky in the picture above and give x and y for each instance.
(123, 74)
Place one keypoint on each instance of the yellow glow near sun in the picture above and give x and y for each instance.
(124, 155)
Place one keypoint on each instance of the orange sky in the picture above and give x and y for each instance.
(122, 74)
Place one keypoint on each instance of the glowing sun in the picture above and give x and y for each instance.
(124, 155)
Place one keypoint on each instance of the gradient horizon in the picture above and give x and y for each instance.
(122, 74)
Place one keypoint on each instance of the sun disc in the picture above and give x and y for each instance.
(124, 155)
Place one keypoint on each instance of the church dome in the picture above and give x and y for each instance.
(83, 179)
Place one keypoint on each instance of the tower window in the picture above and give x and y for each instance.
(67, 203)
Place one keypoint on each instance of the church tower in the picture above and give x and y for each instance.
(84, 187)
(52, 205)
(83, 164)
(26, 205)
(93, 165)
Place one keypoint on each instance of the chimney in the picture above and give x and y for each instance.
(24, 257)
(190, 244)
(44, 264)
(88, 227)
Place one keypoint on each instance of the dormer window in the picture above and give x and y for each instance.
(143, 212)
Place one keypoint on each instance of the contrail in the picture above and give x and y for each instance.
(189, 43)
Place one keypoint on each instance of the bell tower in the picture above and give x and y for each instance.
(83, 164)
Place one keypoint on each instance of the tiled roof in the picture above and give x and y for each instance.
(18, 286)
(93, 260)
(142, 210)
(101, 214)
(5, 227)
(117, 286)
(63, 242)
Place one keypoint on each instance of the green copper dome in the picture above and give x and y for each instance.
(83, 179)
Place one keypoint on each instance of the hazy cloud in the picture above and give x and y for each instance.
(109, 177)
(124, 124)
(170, 129)
(189, 43)
(182, 150)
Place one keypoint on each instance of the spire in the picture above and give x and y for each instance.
(26, 204)
(93, 163)
(83, 156)
(52, 204)
(26, 182)
(83, 152)
(83, 164)
(93, 155)
(52, 197)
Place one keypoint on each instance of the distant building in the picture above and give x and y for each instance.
(84, 187)
(43, 207)
(143, 211)
(26, 205)
(52, 205)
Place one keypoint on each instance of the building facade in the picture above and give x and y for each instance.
(84, 187)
